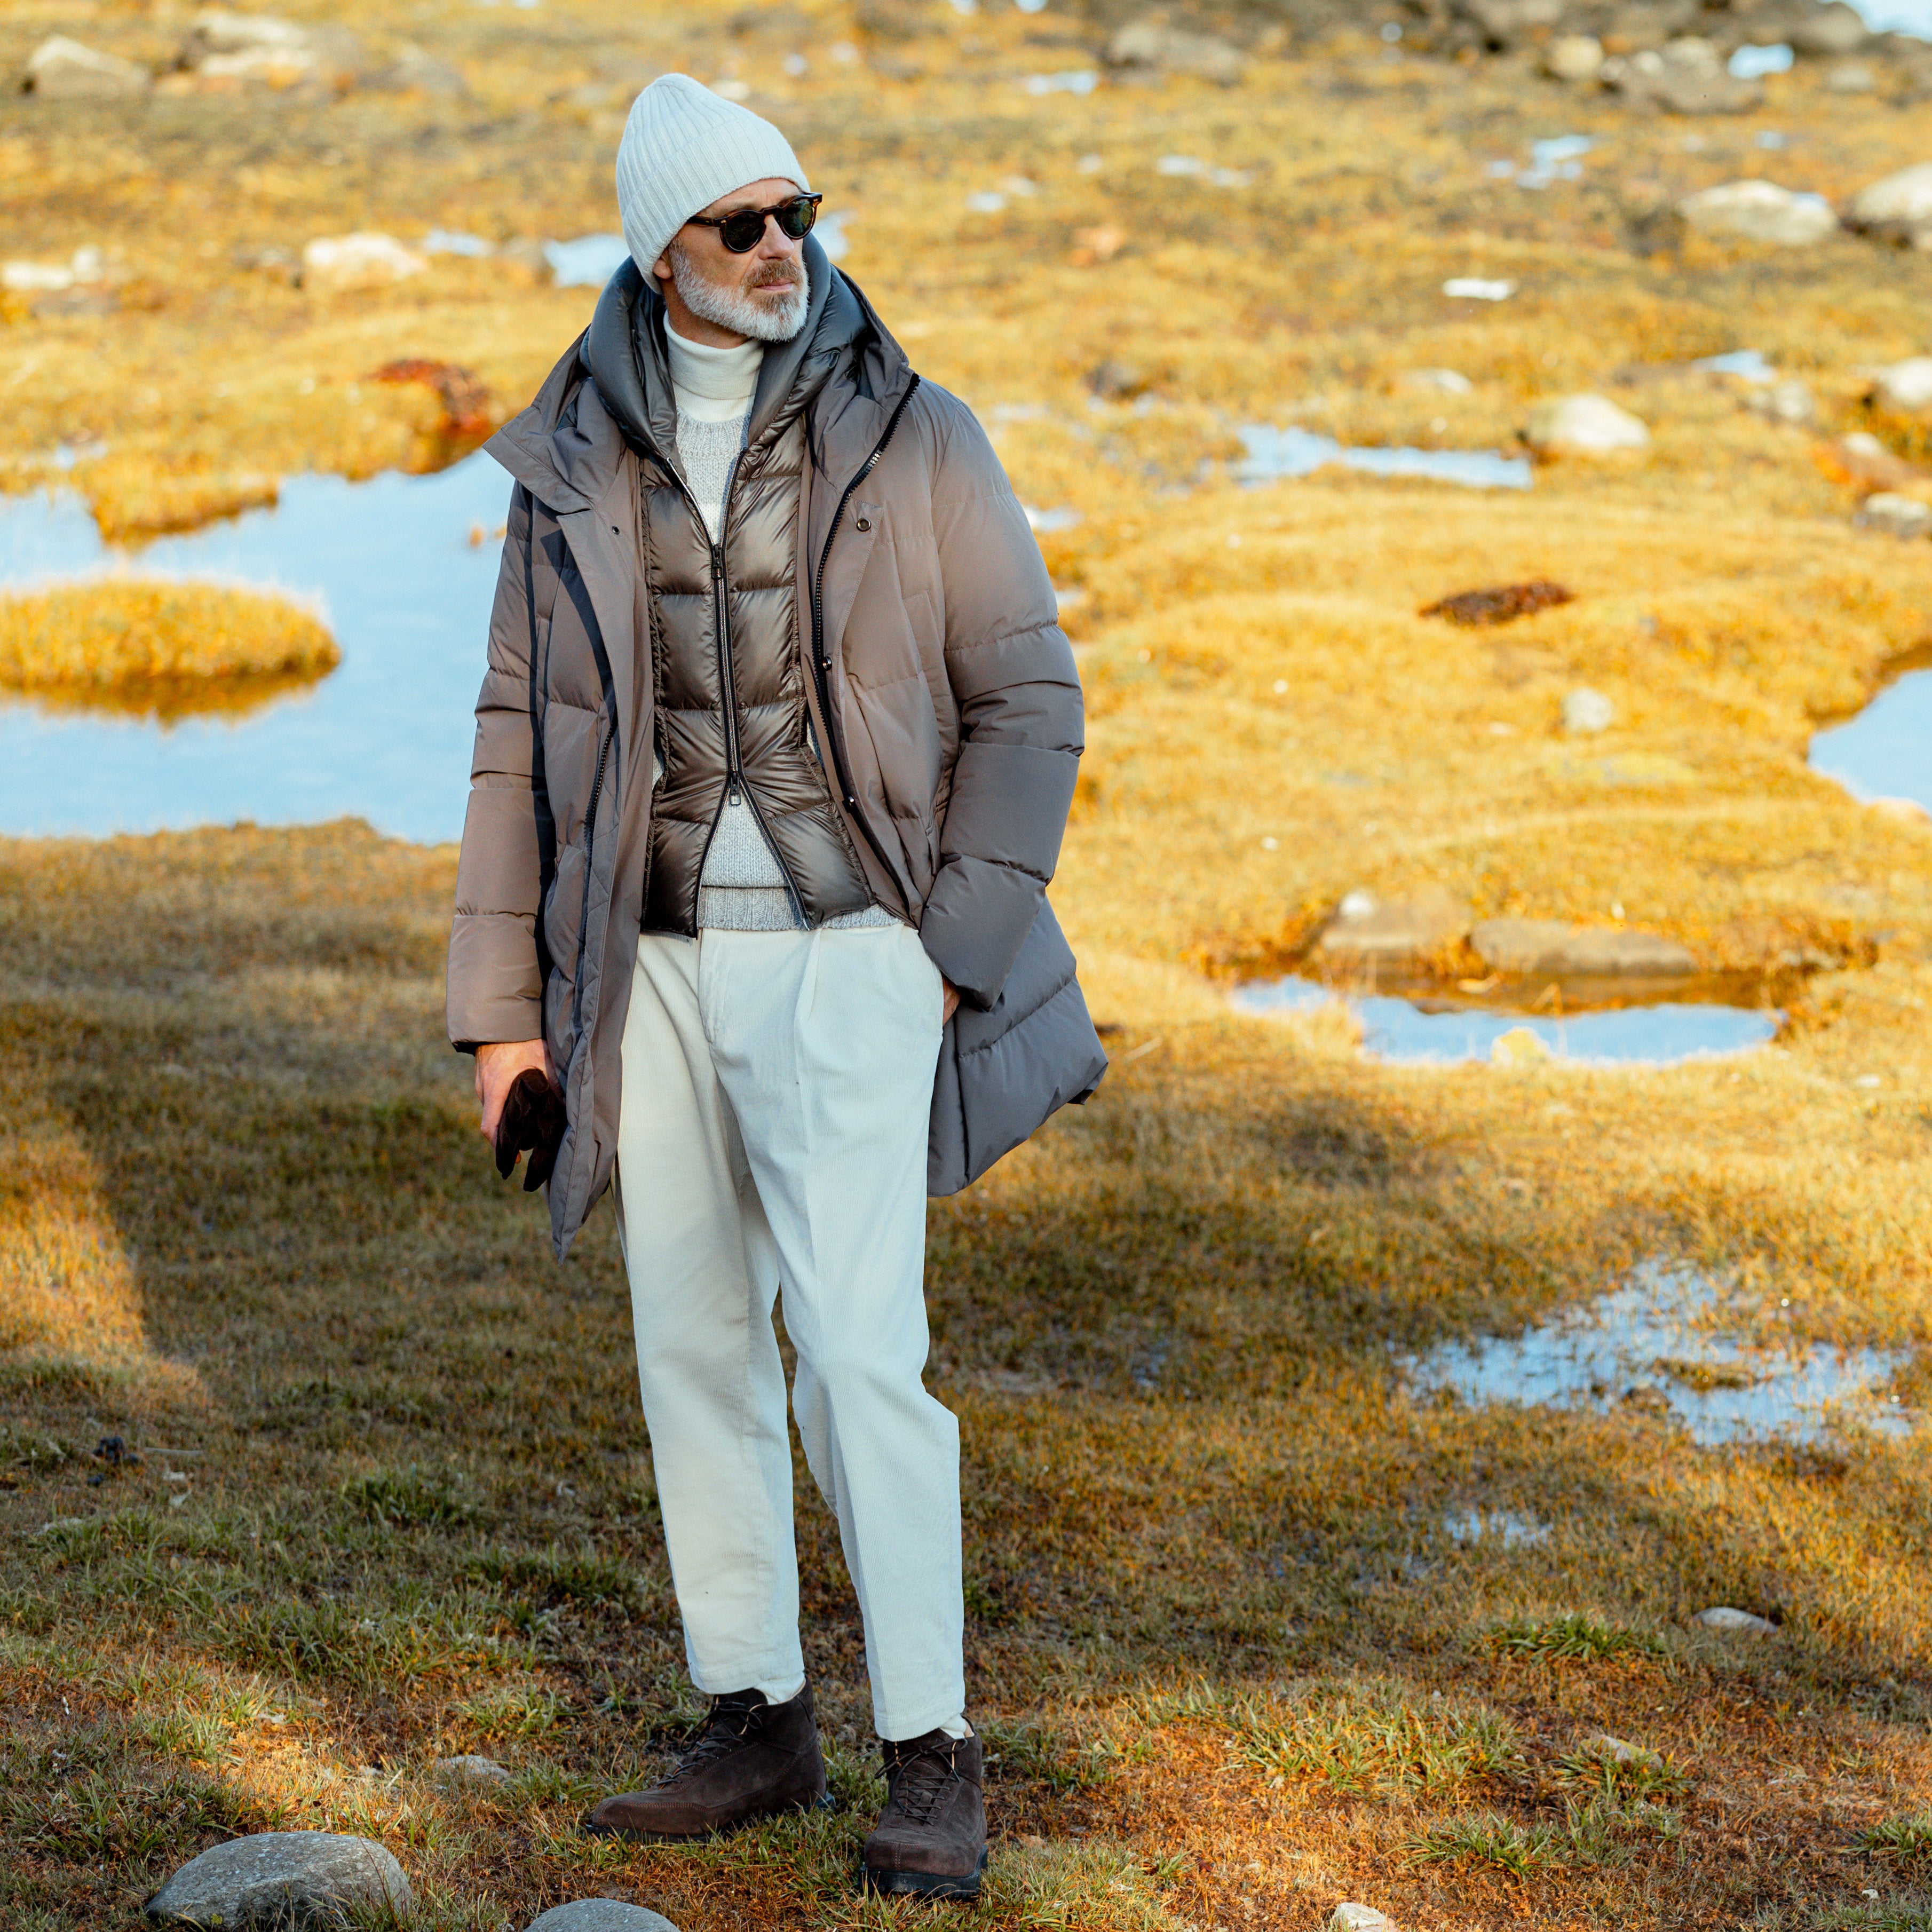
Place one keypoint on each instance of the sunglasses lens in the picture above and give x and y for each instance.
(743, 231)
(796, 217)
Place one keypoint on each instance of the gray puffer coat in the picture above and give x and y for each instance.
(951, 712)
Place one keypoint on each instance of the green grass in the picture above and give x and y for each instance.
(1902, 1841)
(1575, 1636)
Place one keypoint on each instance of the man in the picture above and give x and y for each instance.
(773, 758)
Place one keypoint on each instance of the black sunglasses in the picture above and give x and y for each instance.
(743, 228)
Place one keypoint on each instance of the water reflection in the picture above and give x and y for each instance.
(1660, 1343)
(1272, 454)
(1405, 1032)
(386, 738)
(1886, 751)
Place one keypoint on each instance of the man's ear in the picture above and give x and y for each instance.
(660, 268)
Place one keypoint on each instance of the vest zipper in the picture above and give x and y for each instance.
(821, 664)
(736, 789)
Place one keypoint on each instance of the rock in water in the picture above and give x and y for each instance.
(1895, 515)
(1518, 945)
(600, 1914)
(1722, 1617)
(1906, 387)
(1611, 952)
(1586, 711)
(362, 261)
(458, 1771)
(1399, 929)
(1583, 425)
(1898, 208)
(60, 69)
(1760, 211)
(279, 1876)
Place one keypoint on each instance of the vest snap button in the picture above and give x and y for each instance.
(864, 524)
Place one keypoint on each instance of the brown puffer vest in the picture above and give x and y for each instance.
(724, 618)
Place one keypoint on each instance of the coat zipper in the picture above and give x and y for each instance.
(821, 665)
(589, 855)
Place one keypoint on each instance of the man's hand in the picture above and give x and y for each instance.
(498, 1063)
(949, 1005)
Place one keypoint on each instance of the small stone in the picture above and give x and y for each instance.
(469, 1770)
(1116, 382)
(414, 71)
(600, 1914)
(1619, 1750)
(1505, 22)
(1347, 1917)
(1760, 211)
(1150, 42)
(1441, 381)
(1687, 76)
(1898, 208)
(1583, 425)
(60, 69)
(1398, 929)
(1722, 1617)
(1906, 387)
(1893, 515)
(362, 261)
(1852, 77)
(1786, 401)
(278, 1876)
(1575, 57)
(1518, 945)
(1612, 952)
(1586, 711)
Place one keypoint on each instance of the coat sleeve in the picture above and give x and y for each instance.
(1012, 673)
(496, 971)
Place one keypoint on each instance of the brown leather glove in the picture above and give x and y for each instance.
(533, 1118)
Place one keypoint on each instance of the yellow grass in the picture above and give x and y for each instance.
(1233, 1667)
(182, 646)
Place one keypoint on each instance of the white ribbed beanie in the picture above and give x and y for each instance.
(683, 147)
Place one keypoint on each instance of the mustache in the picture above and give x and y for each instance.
(773, 274)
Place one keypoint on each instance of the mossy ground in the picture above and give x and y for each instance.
(393, 1498)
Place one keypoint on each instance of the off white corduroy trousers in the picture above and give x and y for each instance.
(772, 1137)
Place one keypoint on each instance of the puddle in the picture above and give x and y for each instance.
(386, 737)
(589, 262)
(1507, 1527)
(1659, 1343)
(1274, 454)
(1886, 751)
(1753, 63)
(1415, 1033)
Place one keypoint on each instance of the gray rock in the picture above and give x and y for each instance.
(1852, 77)
(1583, 425)
(1897, 209)
(1787, 401)
(1441, 381)
(1722, 1617)
(1760, 211)
(1347, 1917)
(60, 69)
(1505, 22)
(1605, 951)
(1827, 31)
(600, 1914)
(1575, 57)
(1688, 76)
(1906, 387)
(278, 1876)
(457, 1771)
(1400, 929)
(1893, 515)
(1518, 945)
(1151, 43)
(1585, 712)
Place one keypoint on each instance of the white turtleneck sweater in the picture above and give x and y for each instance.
(743, 887)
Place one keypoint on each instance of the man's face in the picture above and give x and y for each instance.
(758, 294)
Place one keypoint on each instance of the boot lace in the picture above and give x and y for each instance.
(732, 1720)
(923, 1775)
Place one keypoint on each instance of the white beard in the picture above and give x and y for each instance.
(737, 309)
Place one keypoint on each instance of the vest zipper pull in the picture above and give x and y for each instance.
(717, 562)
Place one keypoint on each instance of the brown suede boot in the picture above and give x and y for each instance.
(753, 1759)
(932, 1837)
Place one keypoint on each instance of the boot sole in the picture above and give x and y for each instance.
(823, 1802)
(924, 1884)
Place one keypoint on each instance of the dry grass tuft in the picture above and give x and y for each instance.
(129, 643)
